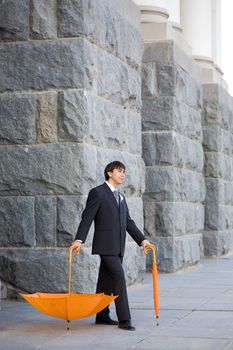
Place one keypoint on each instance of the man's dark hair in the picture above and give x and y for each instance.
(111, 166)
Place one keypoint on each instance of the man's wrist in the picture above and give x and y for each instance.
(78, 240)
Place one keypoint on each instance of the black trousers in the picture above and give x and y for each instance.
(111, 281)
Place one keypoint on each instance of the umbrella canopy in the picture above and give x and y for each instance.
(154, 272)
(69, 306)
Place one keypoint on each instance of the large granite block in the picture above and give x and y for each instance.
(179, 252)
(227, 192)
(214, 191)
(210, 113)
(227, 142)
(33, 270)
(149, 205)
(188, 250)
(186, 62)
(117, 81)
(45, 221)
(157, 114)
(78, 121)
(192, 186)
(213, 138)
(13, 20)
(17, 224)
(43, 169)
(218, 106)
(127, 10)
(218, 165)
(214, 217)
(134, 130)
(135, 205)
(149, 80)
(159, 218)
(69, 211)
(85, 274)
(101, 25)
(149, 143)
(168, 113)
(17, 118)
(227, 167)
(161, 52)
(43, 19)
(172, 219)
(112, 132)
(187, 153)
(73, 115)
(166, 79)
(164, 148)
(187, 120)
(188, 89)
(44, 65)
(169, 184)
(217, 243)
(71, 18)
(170, 148)
(199, 217)
(212, 165)
(27, 118)
(47, 117)
(134, 263)
(176, 72)
(161, 183)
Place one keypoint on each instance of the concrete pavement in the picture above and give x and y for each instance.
(196, 314)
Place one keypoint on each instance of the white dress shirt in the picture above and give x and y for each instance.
(112, 188)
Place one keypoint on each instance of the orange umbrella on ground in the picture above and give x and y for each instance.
(154, 272)
(69, 306)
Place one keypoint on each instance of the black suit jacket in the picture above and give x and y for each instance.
(111, 222)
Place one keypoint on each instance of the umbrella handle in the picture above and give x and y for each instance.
(152, 247)
(70, 269)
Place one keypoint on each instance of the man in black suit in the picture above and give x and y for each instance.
(108, 208)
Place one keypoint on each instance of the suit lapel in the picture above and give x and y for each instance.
(110, 195)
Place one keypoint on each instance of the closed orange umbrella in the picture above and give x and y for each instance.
(154, 272)
(69, 306)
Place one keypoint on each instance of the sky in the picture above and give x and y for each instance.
(227, 43)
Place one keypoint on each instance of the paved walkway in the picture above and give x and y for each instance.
(196, 314)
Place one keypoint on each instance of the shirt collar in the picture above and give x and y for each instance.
(112, 188)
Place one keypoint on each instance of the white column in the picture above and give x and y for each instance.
(217, 32)
(153, 11)
(227, 52)
(200, 21)
(197, 26)
(174, 10)
(161, 21)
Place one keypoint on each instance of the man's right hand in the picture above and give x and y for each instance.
(76, 245)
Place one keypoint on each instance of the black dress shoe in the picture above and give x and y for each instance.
(126, 325)
(106, 320)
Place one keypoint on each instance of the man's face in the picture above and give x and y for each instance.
(117, 176)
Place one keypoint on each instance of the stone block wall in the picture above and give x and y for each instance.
(173, 154)
(70, 98)
(218, 148)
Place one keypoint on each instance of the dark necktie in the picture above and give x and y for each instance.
(117, 197)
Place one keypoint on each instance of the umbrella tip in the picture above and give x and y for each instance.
(157, 320)
(68, 325)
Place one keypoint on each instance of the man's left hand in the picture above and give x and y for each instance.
(144, 243)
